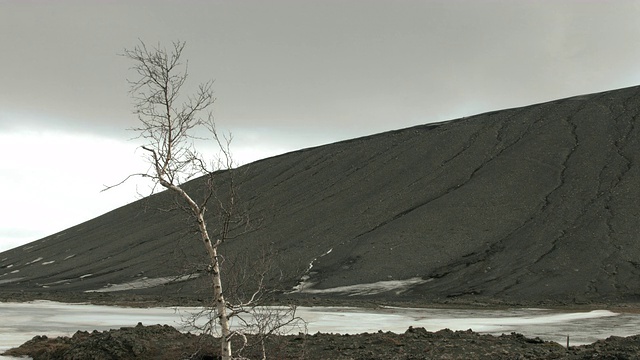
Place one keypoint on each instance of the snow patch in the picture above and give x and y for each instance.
(15, 271)
(9, 266)
(85, 276)
(398, 286)
(144, 283)
(6, 281)
(304, 278)
(48, 262)
(34, 261)
(314, 259)
(69, 257)
(66, 281)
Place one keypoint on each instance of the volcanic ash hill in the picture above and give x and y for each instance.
(538, 203)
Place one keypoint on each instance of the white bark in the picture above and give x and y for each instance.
(216, 279)
(221, 307)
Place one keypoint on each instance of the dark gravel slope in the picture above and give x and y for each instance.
(525, 205)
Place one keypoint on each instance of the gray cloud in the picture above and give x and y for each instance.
(319, 70)
(289, 74)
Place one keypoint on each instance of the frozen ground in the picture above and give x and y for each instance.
(22, 321)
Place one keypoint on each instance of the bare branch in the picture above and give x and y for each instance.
(169, 124)
(109, 187)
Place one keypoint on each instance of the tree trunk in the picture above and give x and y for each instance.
(221, 308)
(212, 250)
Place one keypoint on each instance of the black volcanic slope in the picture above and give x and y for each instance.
(538, 203)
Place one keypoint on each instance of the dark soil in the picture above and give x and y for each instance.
(132, 299)
(165, 342)
(531, 205)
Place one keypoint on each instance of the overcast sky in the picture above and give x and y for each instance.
(288, 75)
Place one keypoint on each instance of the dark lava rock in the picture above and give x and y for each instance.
(612, 348)
(139, 342)
(164, 342)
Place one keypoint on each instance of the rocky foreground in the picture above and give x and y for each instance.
(165, 342)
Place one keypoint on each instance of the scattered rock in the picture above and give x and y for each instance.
(165, 342)
(139, 342)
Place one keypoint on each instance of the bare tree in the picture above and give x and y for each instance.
(169, 122)
(254, 323)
